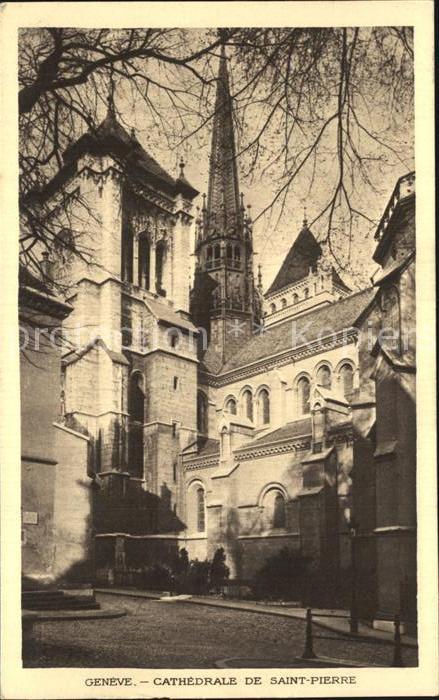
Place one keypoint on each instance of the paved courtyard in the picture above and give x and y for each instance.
(155, 634)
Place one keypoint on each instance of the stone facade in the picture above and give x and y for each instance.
(56, 489)
(384, 417)
(220, 416)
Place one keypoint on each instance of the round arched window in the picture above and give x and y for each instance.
(347, 379)
(247, 401)
(264, 407)
(231, 406)
(324, 376)
(303, 394)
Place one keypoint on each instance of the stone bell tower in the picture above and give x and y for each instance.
(223, 297)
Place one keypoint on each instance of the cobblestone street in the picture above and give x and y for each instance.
(183, 635)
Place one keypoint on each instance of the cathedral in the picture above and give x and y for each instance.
(216, 413)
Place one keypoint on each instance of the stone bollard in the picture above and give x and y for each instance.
(397, 655)
(308, 652)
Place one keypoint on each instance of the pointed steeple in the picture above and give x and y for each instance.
(224, 215)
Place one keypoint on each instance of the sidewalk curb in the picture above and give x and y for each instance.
(324, 624)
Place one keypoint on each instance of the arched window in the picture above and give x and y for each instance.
(324, 376)
(237, 251)
(159, 263)
(247, 401)
(229, 252)
(264, 407)
(136, 410)
(303, 393)
(136, 398)
(274, 509)
(279, 511)
(306, 293)
(231, 406)
(144, 258)
(272, 308)
(347, 378)
(295, 298)
(201, 510)
(284, 303)
(196, 508)
(217, 252)
(202, 424)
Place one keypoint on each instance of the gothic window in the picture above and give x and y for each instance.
(144, 258)
(201, 412)
(237, 255)
(217, 252)
(264, 407)
(347, 378)
(272, 308)
(295, 298)
(229, 253)
(136, 398)
(136, 409)
(201, 510)
(159, 263)
(279, 519)
(303, 393)
(284, 303)
(231, 406)
(324, 376)
(127, 251)
(247, 400)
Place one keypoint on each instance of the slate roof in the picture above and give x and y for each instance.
(302, 255)
(203, 447)
(308, 327)
(164, 313)
(110, 138)
(290, 430)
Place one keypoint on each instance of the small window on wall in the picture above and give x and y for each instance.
(284, 303)
(173, 338)
(175, 383)
(272, 308)
(231, 406)
(295, 298)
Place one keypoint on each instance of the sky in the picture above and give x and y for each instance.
(273, 236)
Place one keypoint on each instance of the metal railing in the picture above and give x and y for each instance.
(310, 637)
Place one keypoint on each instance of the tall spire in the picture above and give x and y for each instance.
(224, 215)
